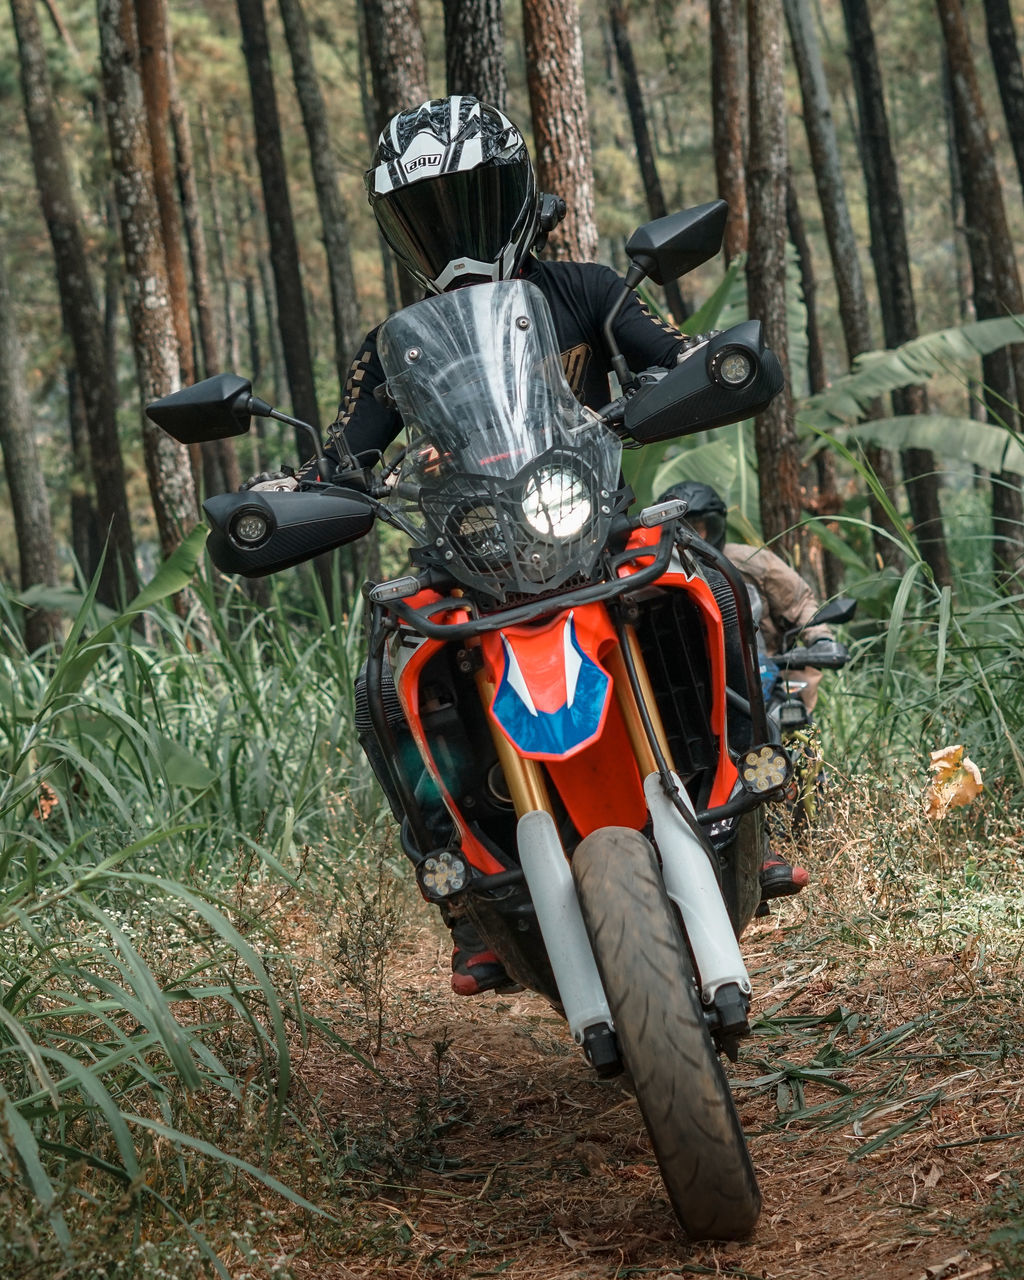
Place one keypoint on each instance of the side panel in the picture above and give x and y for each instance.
(408, 660)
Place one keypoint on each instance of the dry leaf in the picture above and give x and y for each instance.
(48, 801)
(956, 782)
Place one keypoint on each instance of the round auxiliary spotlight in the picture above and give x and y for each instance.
(764, 768)
(733, 367)
(250, 527)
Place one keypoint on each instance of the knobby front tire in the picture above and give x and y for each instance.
(649, 981)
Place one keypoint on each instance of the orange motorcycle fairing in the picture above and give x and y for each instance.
(408, 685)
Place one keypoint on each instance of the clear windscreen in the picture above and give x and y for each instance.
(478, 381)
(513, 476)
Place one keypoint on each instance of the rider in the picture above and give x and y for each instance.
(788, 604)
(454, 193)
(788, 601)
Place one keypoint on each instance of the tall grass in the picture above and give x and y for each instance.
(155, 793)
(934, 665)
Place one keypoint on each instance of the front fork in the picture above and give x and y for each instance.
(689, 876)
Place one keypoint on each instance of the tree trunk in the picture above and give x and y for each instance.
(826, 502)
(842, 244)
(474, 44)
(729, 117)
(37, 561)
(81, 315)
(561, 129)
(778, 457)
(891, 260)
(997, 284)
(333, 218)
(220, 459)
(154, 339)
(398, 75)
(1002, 43)
(284, 249)
(656, 207)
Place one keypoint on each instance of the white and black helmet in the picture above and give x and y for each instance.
(454, 192)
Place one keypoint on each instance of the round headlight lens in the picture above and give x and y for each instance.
(557, 503)
(250, 528)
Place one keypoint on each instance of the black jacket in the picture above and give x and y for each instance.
(580, 295)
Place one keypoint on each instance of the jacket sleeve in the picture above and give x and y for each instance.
(367, 425)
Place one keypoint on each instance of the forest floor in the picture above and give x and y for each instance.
(880, 1093)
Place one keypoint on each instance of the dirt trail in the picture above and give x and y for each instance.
(485, 1147)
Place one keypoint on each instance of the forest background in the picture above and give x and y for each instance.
(182, 192)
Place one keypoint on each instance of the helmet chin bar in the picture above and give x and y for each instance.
(487, 271)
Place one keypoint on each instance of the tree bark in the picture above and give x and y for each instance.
(891, 260)
(82, 320)
(729, 117)
(1002, 43)
(826, 501)
(154, 340)
(284, 249)
(37, 561)
(474, 44)
(842, 244)
(775, 439)
(997, 283)
(398, 76)
(219, 457)
(656, 207)
(333, 218)
(561, 129)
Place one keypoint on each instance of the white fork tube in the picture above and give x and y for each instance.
(561, 923)
(691, 884)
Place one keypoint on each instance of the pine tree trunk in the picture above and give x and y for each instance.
(892, 271)
(561, 129)
(729, 117)
(333, 218)
(284, 249)
(82, 319)
(398, 75)
(1002, 43)
(656, 207)
(825, 503)
(775, 439)
(474, 43)
(26, 483)
(220, 458)
(168, 470)
(997, 283)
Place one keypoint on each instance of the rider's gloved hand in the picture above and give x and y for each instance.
(827, 652)
(285, 480)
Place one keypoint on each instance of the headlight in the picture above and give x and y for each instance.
(733, 367)
(557, 503)
(479, 532)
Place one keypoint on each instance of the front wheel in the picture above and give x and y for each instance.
(663, 1037)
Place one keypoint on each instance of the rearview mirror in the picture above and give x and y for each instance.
(670, 247)
(213, 409)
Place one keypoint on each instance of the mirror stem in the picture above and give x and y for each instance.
(324, 467)
(619, 366)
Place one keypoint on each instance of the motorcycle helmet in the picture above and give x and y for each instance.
(454, 192)
(705, 510)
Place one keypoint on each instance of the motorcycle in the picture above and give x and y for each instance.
(789, 719)
(564, 696)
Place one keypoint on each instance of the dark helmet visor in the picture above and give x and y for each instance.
(474, 214)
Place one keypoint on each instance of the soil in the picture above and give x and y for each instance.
(879, 1094)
